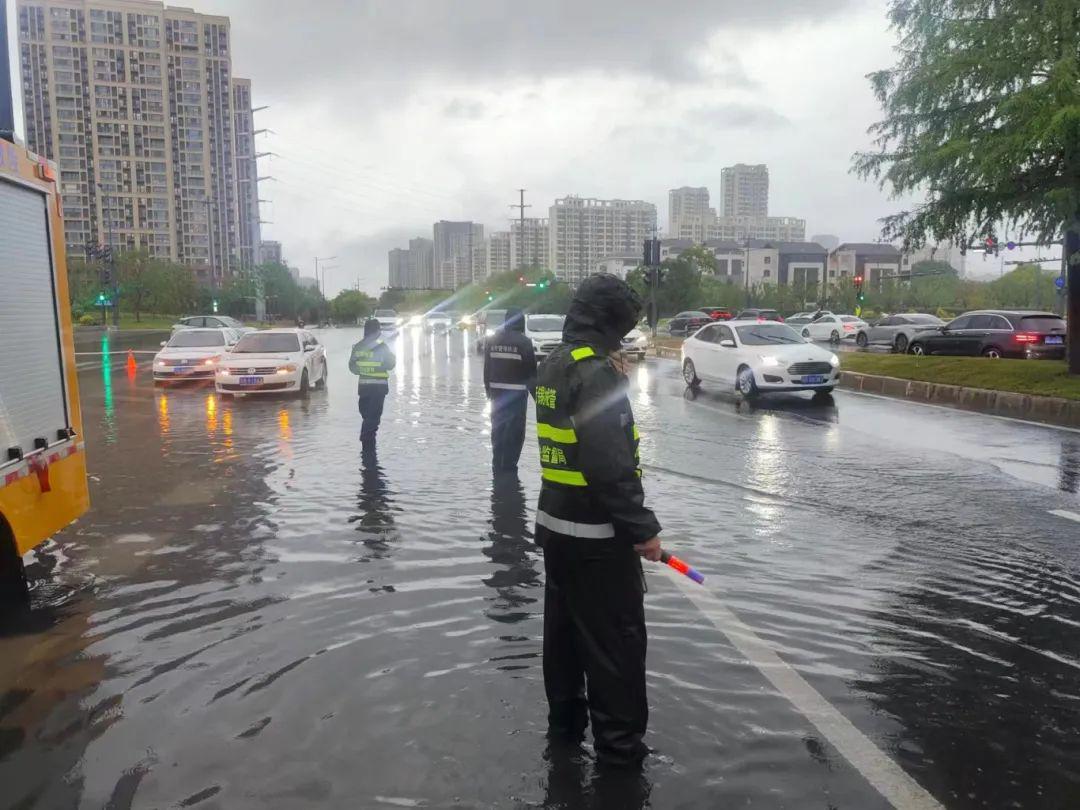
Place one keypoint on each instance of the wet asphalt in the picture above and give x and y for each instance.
(254, 616)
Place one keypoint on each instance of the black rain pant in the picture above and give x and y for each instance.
(508, 410)
(372, 398)
(594, 646)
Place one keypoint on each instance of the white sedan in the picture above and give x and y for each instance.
(635, 344)
(758, 358)
(192, 354)
(273, 361)
(824, 326)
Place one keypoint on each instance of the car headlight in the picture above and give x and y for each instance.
(489, 333)
(211, 361)
(467, 321)
(287, 369)
(770, 361)
(835, 361)
(415, 320)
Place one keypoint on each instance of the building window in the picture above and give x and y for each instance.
(767, 274)
(768, 260)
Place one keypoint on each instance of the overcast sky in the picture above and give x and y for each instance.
(388, 115)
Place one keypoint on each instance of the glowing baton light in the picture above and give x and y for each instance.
(681, 567)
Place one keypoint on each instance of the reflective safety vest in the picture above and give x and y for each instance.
(369, 361)
(564, 505)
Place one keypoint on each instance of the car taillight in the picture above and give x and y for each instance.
(1026, 338)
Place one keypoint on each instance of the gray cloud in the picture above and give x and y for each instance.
(465, 109)
(294, 46)
(737, 116)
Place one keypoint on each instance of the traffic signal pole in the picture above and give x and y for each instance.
(1072, 294)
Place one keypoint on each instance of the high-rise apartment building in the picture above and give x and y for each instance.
(781, 229)
(270, 253)
(247, 175)
(420, 264)
(531, 248)
(457, 254)
(689, 214)
(584, 231)
(744, 191)
(498, 253)
(399, 269)
(136, 104)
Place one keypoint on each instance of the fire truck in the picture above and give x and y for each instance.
(43, 485)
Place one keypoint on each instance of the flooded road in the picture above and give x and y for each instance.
(254, 616)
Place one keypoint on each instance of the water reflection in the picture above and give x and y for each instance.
(511, 548)
(574, 783)
(374, 519)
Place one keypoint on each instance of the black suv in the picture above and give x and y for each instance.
(997, 333)
(686, 323)
(759, 315)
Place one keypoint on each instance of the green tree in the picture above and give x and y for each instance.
(1026, 287)
(348, 306)
(138, 276)
(982, 114)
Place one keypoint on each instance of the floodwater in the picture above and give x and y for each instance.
(254, 616)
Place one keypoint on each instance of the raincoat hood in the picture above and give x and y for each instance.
(515, 320)
(372, 328)
(602, 311)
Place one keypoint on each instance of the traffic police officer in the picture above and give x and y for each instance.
(593, 525)
(372, 361)
(509, 376)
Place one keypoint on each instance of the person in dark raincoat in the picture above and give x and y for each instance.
(509, 376)
(372, 361)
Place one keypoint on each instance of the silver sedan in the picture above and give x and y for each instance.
(897, 331)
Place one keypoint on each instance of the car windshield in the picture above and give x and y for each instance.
(385, 313)
(494, 317)
(196, 340)
(764, 334)
(263, 342)
(545, 323)
(1042, 323)
(925, 319)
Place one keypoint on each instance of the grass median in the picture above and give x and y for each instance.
(1047, 378)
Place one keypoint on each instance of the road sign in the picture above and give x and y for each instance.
(1059, 282)
(1010, 245)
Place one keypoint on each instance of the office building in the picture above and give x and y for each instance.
(136, 104)
(745, 191)
(420, 264)
(457, 249)
(249, 228)
(689, 214)
(270, 253)
(530, 248)
(498, 253)
(398, 276)
(583, 231)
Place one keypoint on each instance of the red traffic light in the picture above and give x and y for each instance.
(858, 279)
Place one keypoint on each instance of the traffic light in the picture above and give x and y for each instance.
(652, 253)
(860, 296)
(992, 245)
(521, 279)
(106, 275)
(490, 297)
(214, 305)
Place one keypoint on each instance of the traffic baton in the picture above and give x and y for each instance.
(684, 569)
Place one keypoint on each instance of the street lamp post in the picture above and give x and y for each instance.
(321, 280)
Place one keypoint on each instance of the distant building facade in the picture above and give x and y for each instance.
(398, 276)
(457, 249)
(585, 230)
(874, 262)
(739, 229)
(531, 248)
(745, 191)
(270, 253)
(619, 265)
(421, 264)
(247, 175)
(499, 258)
(689, 214)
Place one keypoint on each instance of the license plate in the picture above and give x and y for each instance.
(250, 380)
(813, 379)
(1054, 340)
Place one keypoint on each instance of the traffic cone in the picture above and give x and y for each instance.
(131, 365)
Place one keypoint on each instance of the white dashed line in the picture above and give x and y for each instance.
(1062, 513)
(888, 778)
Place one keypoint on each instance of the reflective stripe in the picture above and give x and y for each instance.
(509, 386)
(570, 478)
(369, 362)
(582, 353)
(382, 375)
(589, 531)
(637, 435)
(560, 435)
(505, 355)
(370, 381)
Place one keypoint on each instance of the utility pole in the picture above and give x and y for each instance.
(521, 206)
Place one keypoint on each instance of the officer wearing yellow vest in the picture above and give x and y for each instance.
(372, 361)
(593, 525)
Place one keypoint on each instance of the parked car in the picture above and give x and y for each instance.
(545, 332)
(897, 331)
(686, 323)
(824, 327)
(760, 315)
(192, 354)
(997, 333)
(719, 313)
(274, 360)
(635, 343)
(851, 325)
(211, 322)
(758, 357)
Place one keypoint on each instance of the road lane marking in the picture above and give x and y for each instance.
(885, 775)
(1062, 513)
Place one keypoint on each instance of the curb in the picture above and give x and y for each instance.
(1049, 410)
